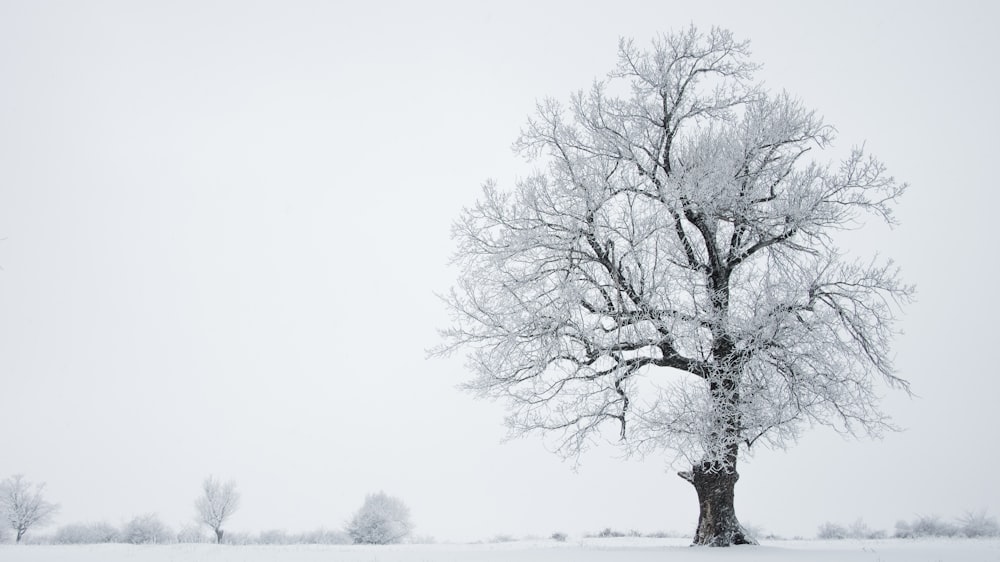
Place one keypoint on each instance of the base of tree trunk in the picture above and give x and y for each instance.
(717, 523)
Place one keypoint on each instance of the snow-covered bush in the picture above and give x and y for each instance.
(860, 530)
(146, 529)
(275, 536)
(665, 535)
(240, 539)
(830, 530)
(932, 526)
(382, 519)
(561, 537)
(324, 536)
(923, 526)
(86, 533)
(978, 524)
(857, 530)
(192, 534)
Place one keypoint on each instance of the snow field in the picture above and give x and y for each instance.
(587, 550)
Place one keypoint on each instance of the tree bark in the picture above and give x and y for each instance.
(218, 536)
(717, 523)
(20, 534)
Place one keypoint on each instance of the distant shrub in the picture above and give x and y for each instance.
(978, 524)
(857, 530)
(662, 535)
(860, 530)
(972, 525)
(382, 519)
(86, 533)
(932, 526)
(146, 529)
(275, 536)
(925, 526)
(828, 531)
(877, 534)
(608, 532)
(561, 537)
(323, 536)
(423, 539)
(238, 539)
(503, 538)
(192, 534)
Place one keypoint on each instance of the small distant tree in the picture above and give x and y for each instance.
(217, 504)
(23, 505)
(382, 519)
(146, 529)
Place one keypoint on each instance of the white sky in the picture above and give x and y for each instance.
(223, 226)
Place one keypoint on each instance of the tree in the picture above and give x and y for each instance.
(86, 533)
(23, 505)
(217, 504)
(382, 519)
(671, 268)
(147, 528)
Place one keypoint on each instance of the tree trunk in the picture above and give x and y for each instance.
(20, 533)
(218, 536)
(717, 523)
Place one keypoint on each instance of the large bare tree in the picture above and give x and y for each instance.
(217, 504)
(23, 506)
(671, 268)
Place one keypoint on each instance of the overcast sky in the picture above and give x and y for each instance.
(223, 225)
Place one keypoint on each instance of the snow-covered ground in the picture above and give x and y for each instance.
(588, 550)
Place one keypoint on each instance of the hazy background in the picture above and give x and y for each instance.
(223, 226)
